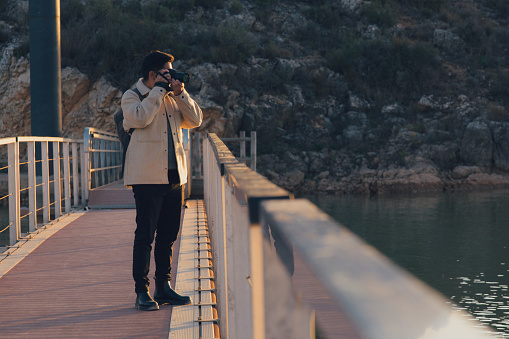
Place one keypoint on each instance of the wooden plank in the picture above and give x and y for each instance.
(205, 271)
(205, 278)
(195, 278)
(183, 324)
(113, 195)
(19, 253)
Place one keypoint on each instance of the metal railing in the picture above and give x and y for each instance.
(43, 175)
(60, 176)
(242, 139)
(262, 284)
(103, 158)
(196, 146)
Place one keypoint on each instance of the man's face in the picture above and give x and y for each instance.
(165, 69)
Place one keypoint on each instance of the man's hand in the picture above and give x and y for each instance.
(162, 81)
(162, 77)
(177, 86)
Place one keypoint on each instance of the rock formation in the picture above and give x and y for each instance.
(316, 134)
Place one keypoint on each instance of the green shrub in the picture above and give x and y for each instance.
(236, 7)
(4, 35)
(110, 37)
(263, 9)
(500, 7)
(432, 5)
(270, 50)
(209, 4)
(3, 7)
(380, 13)
(497, 112)
(487, 43)
(500, 88)
(22, 50)
(346, 58)
(387, 70)
(232, 43)
(418, 127)
(327, 14)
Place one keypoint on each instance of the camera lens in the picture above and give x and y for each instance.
(184, 77)
(181, 76)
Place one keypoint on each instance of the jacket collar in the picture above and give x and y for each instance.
(142, 87)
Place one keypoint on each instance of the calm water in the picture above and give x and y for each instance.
(4, 222)
(457, 243)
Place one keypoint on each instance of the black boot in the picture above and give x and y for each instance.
(164, 294)
(145, 302)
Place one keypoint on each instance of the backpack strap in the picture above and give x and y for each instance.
(141, 96)
(137, 91)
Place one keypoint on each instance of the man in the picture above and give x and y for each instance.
(155, 167)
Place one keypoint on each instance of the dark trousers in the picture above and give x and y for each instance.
(158, 211)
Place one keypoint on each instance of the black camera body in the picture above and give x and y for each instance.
(183, 77)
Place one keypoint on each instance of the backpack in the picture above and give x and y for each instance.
(123, 136)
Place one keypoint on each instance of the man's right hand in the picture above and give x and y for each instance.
(161, 78)
(163, 84)
(162, 81)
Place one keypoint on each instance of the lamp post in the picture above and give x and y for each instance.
(45, 73)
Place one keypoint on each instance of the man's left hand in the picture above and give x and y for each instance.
(177, 86)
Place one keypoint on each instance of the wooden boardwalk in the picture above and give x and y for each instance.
(114, 195)
(78, 284)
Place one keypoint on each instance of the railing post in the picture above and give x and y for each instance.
(258, 290)
(14, 214)
(198, 160)
(75, 176)
(109, 161)
(45, 182)
(85, 165)
(67, 177)
(102, 162)
(56, 179)
(84, 174)
(253, 151)
(32, 184)
(242, 135)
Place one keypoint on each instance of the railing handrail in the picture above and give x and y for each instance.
(48, 139)
(5, 141)
(382, 300)
(65, 157)
(102, 159)
(242, 139)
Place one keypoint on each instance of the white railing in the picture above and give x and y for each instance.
(263, 290)
(44, 173)
(196, 151)
(103, 158)
(242, 139)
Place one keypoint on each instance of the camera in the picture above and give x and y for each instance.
(181, 76)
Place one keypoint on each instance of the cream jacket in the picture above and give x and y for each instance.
(147, 155)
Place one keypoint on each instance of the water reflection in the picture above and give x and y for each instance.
(454, 242)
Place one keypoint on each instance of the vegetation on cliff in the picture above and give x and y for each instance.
(341, 92)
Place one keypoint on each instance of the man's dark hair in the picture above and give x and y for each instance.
(154, 62)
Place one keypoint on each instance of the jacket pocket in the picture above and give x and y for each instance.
(150, 133)
(145, 162)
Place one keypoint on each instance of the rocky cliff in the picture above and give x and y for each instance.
(319, 131)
